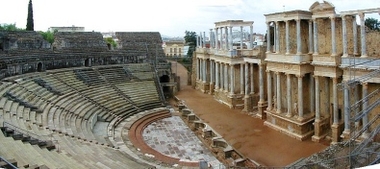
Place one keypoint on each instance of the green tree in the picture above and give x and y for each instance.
(191, 40)
(48, 36)
(372, 24)
(30, 21)
(110, 40)
(10, 27)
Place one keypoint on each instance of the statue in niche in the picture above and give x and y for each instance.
(295, 108)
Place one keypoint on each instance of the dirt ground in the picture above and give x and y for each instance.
(245, 133)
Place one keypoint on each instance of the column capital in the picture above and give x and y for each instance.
(268, 71)
(300, 76)
(361, 15)
(314, 19)
(277, 73)
(343, 17)
(315, 76)
(297, 20)
(288, 74)
(364, 84)
(332, 18)
(261, 64)
(310, 21)
(211, 30)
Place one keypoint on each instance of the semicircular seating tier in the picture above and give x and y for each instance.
(61, 118)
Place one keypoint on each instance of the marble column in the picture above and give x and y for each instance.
(225, 77)
(211, 39)
(287, 37)
(204, 71)
(216, 43)
(204, 39)
(226, 38)
(216, 75)
(246, 84)
(300, 98)
(241, 37)
(365, 107)
(269, 89)
(250, 37)
(299, 43)
(261, 82)
(289, 94)
(315, 36)
(344, 30)
(211, 72)
(231, 38)
(232, 81)
(198, 41)
(347, 109)
(278, 90)
(221, 81)
(355, 33)
(312, 94)
(317, 99)
(221, 46)
(333, 37)
(363, 35)
(268, 38)
(242, 78)
(277, 37)
(198, 70)
(252, 82)
(335, 101)
(310, 37)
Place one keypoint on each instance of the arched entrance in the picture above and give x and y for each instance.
(87, 62)
(165, 88)
(39, 67)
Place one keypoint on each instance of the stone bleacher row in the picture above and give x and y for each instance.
(66, 116)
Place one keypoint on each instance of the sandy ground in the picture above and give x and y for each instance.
(245, 133)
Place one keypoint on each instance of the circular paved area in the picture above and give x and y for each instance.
(172, 137)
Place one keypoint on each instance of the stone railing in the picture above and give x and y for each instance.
(297, 59)
(360, 63)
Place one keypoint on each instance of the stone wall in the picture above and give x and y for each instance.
(22, 40)
(90, 41)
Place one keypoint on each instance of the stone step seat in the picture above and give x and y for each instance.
(63, 160)
(63, 88)
(96, 154)
(23, 153)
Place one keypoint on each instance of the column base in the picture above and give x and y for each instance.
(335, 128)
(319, 134)
(211, 89)
(345, 135)
(247, 103)
(363, 56)
(261, 106)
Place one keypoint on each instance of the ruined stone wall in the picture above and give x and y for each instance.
(89, 41)
(22, 40)
(144, 43)
(373, 43)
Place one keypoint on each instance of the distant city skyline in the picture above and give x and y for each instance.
(169, 17)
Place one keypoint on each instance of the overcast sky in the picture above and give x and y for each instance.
(169, 17)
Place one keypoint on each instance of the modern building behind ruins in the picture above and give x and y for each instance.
(318, 73)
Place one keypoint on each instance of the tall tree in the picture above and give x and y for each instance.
(30, 21)
(372, 24)
(191, 40)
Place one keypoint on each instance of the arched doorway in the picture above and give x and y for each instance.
(87, 62)
(39, 67)
(165, 88)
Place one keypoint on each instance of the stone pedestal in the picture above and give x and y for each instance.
(211, 88)
(319, 132)
(262, 105)
(247, 103)
(335, 129)
(345, 135)
(290, 126)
